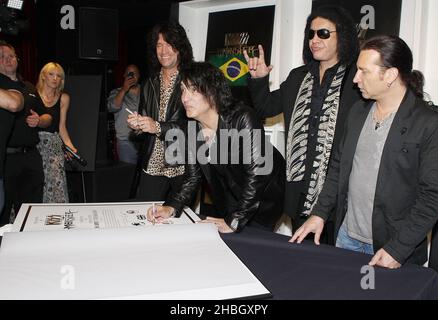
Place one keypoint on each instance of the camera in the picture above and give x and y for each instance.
(130, 74)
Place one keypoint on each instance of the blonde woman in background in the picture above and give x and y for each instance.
(50, 86)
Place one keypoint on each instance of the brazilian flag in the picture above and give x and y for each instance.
(233, 67)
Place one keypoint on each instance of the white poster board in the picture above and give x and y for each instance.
(167, 261)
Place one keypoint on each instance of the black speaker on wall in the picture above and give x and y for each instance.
(98, 33)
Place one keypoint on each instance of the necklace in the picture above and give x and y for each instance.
(378, 125)
(47, 101)
(381, 119)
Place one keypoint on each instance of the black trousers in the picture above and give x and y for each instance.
(23, 181)
(157, 188)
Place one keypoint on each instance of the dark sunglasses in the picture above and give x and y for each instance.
(322, 33)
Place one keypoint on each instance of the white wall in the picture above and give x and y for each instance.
(419, 22)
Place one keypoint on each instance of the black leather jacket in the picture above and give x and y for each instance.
(150, 106)
(241, 192)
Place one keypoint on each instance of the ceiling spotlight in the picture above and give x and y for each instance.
(15, 4)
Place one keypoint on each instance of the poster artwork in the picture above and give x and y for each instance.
(232, 32)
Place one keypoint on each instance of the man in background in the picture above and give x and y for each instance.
(122, 102)
(11, 100)
(24, 175)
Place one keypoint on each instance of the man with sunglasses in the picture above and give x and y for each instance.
(315, 99)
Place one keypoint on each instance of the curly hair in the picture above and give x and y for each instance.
(175, 35)
(348, 43)
(211, 83)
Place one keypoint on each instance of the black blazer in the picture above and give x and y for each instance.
(250, 193)
(406, 199)
(269, 104)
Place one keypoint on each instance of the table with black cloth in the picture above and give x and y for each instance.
(307, 271)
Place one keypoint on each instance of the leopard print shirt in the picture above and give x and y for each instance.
(156, 165)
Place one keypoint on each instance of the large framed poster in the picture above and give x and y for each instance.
(231, 32)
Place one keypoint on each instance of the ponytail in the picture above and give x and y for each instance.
(416, 83)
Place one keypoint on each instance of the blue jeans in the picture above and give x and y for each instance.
(344, 241)
(127, 151)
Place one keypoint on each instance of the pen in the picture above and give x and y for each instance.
(129, 111)
(154, 210)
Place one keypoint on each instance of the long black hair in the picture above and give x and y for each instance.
(395, 53)
(348, 43)
(175, 35)
(211, 83)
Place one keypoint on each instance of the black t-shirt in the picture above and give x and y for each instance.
(55, 112)
(22, 135)
(6, 120)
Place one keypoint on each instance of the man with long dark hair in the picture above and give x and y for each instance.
(227, 147)
(315, 99)
(384, 178)
(160, 109)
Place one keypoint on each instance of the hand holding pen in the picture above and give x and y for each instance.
(133, 119)
(158, 213)
(154, 211)
(142, 123)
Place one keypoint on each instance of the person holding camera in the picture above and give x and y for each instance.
(119, 101)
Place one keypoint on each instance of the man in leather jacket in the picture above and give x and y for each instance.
(227, 145)
(160, 109)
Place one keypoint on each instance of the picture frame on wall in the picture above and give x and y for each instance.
(229, 34)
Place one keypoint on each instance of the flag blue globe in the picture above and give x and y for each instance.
(233, 69)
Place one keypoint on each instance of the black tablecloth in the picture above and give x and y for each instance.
(307, 271)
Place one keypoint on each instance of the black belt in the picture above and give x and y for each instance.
(12, 150)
